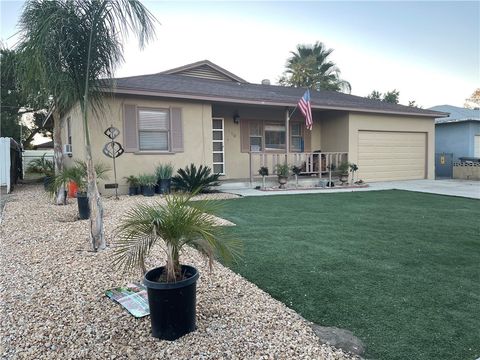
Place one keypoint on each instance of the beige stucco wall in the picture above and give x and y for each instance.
(382, 122)
(197, 132)
(334, 131)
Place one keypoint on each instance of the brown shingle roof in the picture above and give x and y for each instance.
(187, 87)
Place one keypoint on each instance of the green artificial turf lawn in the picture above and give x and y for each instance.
(400, 269)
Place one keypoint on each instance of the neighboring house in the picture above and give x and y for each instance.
(203, 114)
(458, 133)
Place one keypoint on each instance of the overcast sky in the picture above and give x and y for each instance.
(429, 51)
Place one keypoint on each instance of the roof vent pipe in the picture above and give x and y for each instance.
(265, 82)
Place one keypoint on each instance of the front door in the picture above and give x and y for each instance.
(218, 146)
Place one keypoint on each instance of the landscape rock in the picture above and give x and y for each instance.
(339, 338)
(53, 306)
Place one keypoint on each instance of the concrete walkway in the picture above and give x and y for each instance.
(462, 188)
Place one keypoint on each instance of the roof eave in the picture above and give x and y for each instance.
(129, 91)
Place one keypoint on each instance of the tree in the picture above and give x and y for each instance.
(16, 101)
(474, 100)
(390, 96)
(376, 95)
(309, 67)
(72, 44)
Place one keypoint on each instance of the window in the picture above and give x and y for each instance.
(153, 129)
(69, 132)
(296, 137)
(259, 135)
(274, 137)
(255, 136)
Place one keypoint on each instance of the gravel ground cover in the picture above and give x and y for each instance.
(53, 304)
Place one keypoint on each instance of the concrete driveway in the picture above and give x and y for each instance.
(462, 188)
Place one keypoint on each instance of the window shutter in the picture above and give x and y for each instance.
(244, 136)
(307, 140)
(130, 131)
(176, 129)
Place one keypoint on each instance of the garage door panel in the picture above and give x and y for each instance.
(384, 156)
(372, 163)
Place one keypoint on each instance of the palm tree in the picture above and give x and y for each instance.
(174, 225)
(72, 44)
(309, 67)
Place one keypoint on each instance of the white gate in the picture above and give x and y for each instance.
(5, 162)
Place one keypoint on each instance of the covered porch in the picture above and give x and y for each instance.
(248, 137)
(312, 164)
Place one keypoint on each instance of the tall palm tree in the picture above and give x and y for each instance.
(73, 44)
(309, 67)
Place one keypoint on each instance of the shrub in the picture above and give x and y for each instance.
(147, 180)
(296, 170)
(131, 180)
(77, 174)
(192, 180)
(263, 171)
(41, 166)
(282, 170)
(164, 171)
(343, 167)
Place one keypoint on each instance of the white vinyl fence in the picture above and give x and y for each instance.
(5, 163)
(29, 155)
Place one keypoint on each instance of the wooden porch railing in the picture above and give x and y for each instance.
(311, 163)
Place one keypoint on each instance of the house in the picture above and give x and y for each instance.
(201, 113)
(459, 133)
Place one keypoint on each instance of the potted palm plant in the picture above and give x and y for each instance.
(263, 171)
(78, 175)
(147, 183)
(132, 182)
(283, 171)
(164, 173)
(171, 288)
(343, 172)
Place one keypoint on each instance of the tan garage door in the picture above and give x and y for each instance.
(385, 155)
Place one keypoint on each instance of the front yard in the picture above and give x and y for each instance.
(399, 269)
(53, 306)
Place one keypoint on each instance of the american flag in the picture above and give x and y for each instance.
(306, 109)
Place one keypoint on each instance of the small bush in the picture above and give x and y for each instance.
(164, 171)
(193, 180)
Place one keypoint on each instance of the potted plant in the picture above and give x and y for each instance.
(45, 167)
(353, 169)
(132, 182)
(263, 171)
(343, 172)
(296, 170)
(164, 173)
(147, 183)
(78, 175)
(171, 288)
(282, 174)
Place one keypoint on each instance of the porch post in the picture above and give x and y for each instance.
(287, 133)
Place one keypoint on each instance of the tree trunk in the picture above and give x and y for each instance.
(97, 236)
(58, 154)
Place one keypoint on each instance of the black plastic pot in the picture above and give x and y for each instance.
(165, 185)
(148, 190)
(132, 190)
(172, 305)
(47, 181)
(83, 206)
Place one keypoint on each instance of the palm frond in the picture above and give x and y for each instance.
(177, 223)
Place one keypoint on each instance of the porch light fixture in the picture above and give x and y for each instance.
(236, 118)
